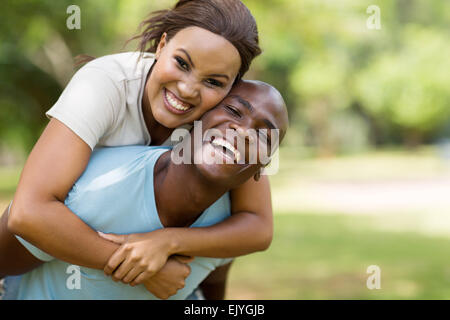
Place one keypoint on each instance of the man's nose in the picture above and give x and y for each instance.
(244, 133)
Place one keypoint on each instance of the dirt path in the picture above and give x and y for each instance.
(412, 204)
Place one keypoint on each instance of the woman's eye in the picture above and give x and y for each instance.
(214, 82)
(183, 64)
(233, 111)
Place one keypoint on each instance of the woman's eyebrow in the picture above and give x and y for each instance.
(193, 65)
(188, 56)
(219, 75)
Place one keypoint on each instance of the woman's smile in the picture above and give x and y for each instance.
(175, 105)
(189, 76)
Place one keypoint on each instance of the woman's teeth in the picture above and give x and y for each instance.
(175, 103)
(219, 142)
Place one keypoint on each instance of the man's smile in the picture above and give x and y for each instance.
(226, 149)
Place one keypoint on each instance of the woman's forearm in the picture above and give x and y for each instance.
(249, 228)
(14, 258)
(214, 286)
(52, 227)
(242, 233)
(38, 213)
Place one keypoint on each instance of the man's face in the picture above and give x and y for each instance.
(248, 123)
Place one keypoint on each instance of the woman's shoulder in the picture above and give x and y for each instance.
(123, 66)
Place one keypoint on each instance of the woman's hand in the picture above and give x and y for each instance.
(170, 278)
(140, 256)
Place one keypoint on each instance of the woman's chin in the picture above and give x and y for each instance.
(167, 119)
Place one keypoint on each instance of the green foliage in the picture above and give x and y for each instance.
(390, 85)
(409, 86)
(392, 81)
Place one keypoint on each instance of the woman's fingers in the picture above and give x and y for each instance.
(131, 275)
(184, 259)
(122, 270)
(115, 260)
(139, 279)
(116, 238)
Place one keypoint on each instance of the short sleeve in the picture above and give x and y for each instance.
(89, 105)
(35, 251)
(225, 261)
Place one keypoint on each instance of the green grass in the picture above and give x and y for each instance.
(9, 177)
(296, 165)
(326, 257)
(320, 256)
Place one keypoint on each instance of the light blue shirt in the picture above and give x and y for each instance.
(115, 195)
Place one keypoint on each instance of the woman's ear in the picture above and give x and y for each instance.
(161, 45)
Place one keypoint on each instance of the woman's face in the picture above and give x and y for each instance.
(193, 73)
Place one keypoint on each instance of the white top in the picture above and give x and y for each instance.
(102, 103)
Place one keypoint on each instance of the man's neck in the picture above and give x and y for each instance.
(181, 192)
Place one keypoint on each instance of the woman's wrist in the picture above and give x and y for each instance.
(172, 240)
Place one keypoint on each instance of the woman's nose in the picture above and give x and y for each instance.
(188, 90)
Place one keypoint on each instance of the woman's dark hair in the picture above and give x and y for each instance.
(228, 18)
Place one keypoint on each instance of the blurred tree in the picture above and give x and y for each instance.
(340, 79)
(37, 51)
(408, 87)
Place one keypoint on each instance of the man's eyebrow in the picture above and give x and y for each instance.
(244, 102)
(270, 124)
(249, 106)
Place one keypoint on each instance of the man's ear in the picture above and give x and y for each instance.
(162, 43)
(257, 175)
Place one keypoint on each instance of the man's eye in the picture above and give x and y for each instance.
(183, 64)
(214, 83)
(233, 111)
(263, 136)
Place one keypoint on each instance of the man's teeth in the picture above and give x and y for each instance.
(223, 143)
(175, 103)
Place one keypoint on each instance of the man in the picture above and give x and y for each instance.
(132, 190)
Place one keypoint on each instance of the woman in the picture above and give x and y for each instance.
(201, 47)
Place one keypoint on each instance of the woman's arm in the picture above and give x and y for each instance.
(248, 230)
(14, 258)
(38, 213)
(214, 286)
